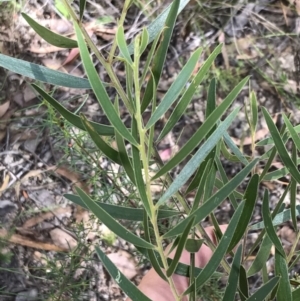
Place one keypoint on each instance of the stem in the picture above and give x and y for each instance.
(144, 157)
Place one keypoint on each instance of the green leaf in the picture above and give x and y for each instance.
(282, 151)
(82, 4)
(201, 133)
(265, 290)
(161, 52)
(107, 150)
(269, 226)
(200, 191)
(214, 201)
(100, 91)
(188, 94)
(121, 41)
(43, 74)
(235, 149)
(284, 292)
(243, 284)
(180, 248)
(101, 129)
(261, 257)
(254, 111)
(126, 285)
(219, 252)
(233, 279)
(279, 218)
(198, 158)
(292, 131)
(111, 223)
(138, 172)
(193, 245)
(144, 40)
(250, 200)
(49, 36)
(175, 89)
(296, 294)
(121, 212)
(225, 180)
(294, 191)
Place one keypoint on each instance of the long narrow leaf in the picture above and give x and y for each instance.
(265, 290)
(180, 248)
(50, 36)
(122, 212)
(111, 223)
(214, 201)
(292, 131)
(161, 52)
(269, 226)
(250, 199)
(219, 252)
(175, 89)
(126, 285)
(101, 129)
(284, 292)
(106, 149)
(201, 133)
(198, 158)
(43, 74)
(261, 256)
(282, 151)
(121, 41)
(100, 91)
(232, 283)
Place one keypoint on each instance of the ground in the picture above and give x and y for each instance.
(42, 157)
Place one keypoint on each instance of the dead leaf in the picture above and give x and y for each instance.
(3, 108)
(5, 183)
(62, 239)
(59, 212)
(53, 64)
(24, 241)
(73, 54)
(125, 263)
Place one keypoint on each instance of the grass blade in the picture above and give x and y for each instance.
(50, 36)
(214, 201)
(175, 89)
(127, 286)
(100, 91)
(43, 74)
(198, 158)
(111, 223)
